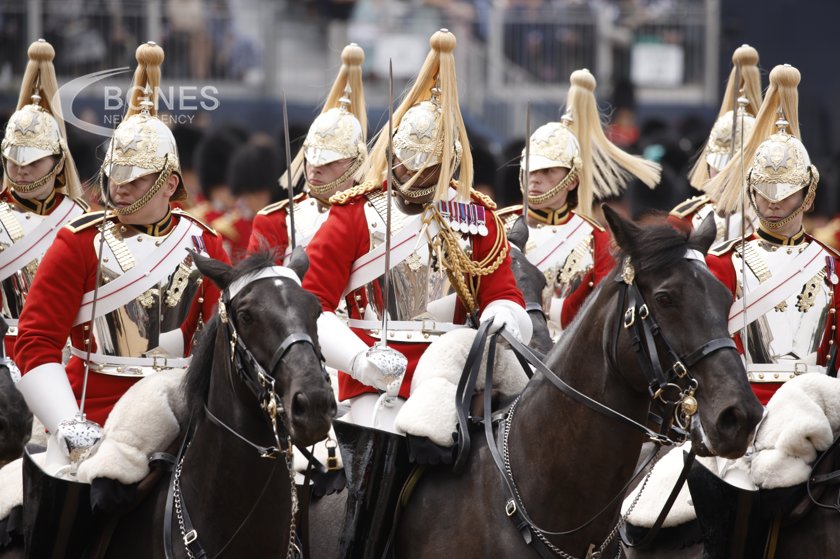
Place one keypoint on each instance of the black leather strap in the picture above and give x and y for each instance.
(264, 451)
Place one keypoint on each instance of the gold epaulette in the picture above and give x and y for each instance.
(179, 211)
(724, 247)
(343, 197)
(509, 215)
(592, 222)
(688, 207)
(277, 206)
(86, 221)
(485, 200)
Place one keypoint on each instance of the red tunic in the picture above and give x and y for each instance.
(67, 272)
(342, 239)
(269, 232)
(721, 265)
(604, 263)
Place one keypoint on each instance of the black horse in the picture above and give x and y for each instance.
(232, 477)
(15, 419)
(569, 463)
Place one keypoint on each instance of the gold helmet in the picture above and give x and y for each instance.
(36, 129)
(774, 162)
(579, 144)
(428, 127)
(142, 143)
(743, 87)
(340, 131)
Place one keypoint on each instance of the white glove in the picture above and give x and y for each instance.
(48, 394)
(511, 316)
(367, 372)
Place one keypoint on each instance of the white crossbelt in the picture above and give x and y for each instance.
(780, 372)
(778, 288)
(561, 245)
(36, 242)
(131, 366)
(143, 276)
(432, 326)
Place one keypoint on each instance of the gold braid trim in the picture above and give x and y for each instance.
(345, 196)
(483, 198)
(464, 272)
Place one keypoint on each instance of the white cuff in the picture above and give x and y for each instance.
(339, 344)
(48, 394)
(556, 309)
(172, 343)
(519, 314)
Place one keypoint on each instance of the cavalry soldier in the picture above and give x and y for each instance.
(445, 236)
(330, 161)
(129, 264)
(725, 140)
(41, 190)
(570, 164)
(785, 281)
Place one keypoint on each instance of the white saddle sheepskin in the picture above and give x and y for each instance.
(11, 483)
(803, 417)
(145, 420)
(430, 410)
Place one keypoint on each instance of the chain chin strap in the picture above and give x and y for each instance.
(564, 183)
(774, 225)
(323, 191)
(25, 187)
(165, 173)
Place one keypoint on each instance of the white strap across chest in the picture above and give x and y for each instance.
(557, 247)
(782, 285)
(145, 275)
(35, 243)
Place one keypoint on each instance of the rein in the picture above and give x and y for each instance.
(262, 385)
(644, 331)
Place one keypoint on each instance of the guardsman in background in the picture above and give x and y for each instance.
(330, 161)
(570, 165)
(150, 299)
(41, 190)
(444, 237)
(732, 127)
(784, 281)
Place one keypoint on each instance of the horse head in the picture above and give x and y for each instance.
(680, 316)
(15, 419)
(531, 282)
(271, 323)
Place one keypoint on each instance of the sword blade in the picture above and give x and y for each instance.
(386, 284)
(527, 159)
(289, 186)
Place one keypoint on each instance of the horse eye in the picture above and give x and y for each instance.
(663, 299)
(243, 317)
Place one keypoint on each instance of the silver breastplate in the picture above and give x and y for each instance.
(14, 225)
(417, 281)
(135, 328)
(793, 330)
(727, 227)
(565, 274)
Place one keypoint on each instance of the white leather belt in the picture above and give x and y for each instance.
(407, 330)
(130, 366)
(780, 372)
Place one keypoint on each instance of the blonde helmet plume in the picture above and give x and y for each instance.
(438, 71)
(782, 97)
(146, 81)
(745, 60)
(605, 168)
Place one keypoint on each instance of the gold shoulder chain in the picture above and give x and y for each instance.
(359, 190)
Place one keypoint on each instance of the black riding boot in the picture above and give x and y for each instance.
(376, 464)
(729, 516)
(57, 518)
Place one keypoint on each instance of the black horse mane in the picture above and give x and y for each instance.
(654, 247)
(197, 380)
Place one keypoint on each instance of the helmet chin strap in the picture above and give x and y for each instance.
(564, 184)
(775, 225)
(138, 204)
(324, 191)
(26, 187)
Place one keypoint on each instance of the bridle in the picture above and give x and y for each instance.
(261, 384)
(635, 317)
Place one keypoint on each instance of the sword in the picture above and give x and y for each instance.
(289, 185)
(392, 363)
(527, 160)
(734, 134)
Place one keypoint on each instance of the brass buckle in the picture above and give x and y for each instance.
(428, 329)
(679, 369)
(800, 368)
(190, 537)
(332, 459)
(629, 317)
(643, 311)
(155, 365)
(510, 507)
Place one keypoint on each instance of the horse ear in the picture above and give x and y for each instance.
(623, 231)
(299, 262)
(214, 269)
(704, 236)
(518, 234)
